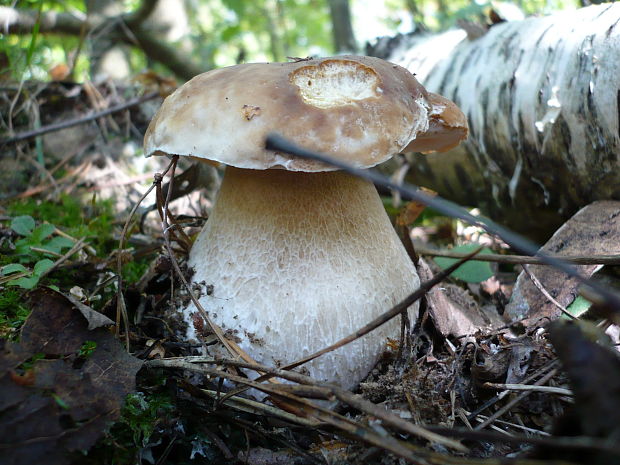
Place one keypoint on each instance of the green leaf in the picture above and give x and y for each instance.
(22, 246)
(578, 307)
(42, 266)
(41, 232)
(23, 225)
(60, 402)
(472, 271)
(25, 282)
(56, 244)
(13, 268)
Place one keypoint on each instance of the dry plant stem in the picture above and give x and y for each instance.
(570, 443)
(258, 408)
(120, 300)
(87, 247)
(39, 249)
(514, 401)
(76, 248)
(166, 231)
(544, 291)
(529, 387)
(516, 426)
(540, 372)
(328, 391)
(185, 242)
(521, 259)
(81, 120)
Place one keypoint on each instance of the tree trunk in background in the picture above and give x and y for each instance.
(166, 19)
(542, 97)
(344, 39)
(108, 58)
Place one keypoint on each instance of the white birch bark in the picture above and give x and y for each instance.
(542, 97)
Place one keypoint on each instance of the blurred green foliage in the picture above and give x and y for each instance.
(225, 32)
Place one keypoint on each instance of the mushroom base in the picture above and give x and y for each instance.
(298, 261)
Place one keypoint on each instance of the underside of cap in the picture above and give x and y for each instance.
(361, 110)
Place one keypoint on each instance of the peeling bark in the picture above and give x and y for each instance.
(542, 97)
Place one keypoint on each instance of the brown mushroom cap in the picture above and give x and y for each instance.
(359, 109)
(447, 127)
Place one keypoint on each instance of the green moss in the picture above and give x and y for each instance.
(93, 220)
(133, 271)
(13, 312)
(141, 418)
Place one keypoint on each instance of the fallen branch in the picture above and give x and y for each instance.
(77, 121)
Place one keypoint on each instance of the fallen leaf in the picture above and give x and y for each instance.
(454, 318)
(412, 210)
(593, 230)
(94, 318)
(54, 400)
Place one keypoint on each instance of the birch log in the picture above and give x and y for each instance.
(542, 97)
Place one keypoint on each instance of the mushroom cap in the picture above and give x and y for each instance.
(359, 109)
(447, 127)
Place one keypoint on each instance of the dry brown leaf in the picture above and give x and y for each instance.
(60, 404)
(411, 210)
(594, 230)
(453, 318)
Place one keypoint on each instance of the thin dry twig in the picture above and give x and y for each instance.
(259, 408)
(596, 291)
(76, 248)
(544, 292)
(76, 121)
(514, 401)
(121, 310)
(530, 387)
(163, 210)
(522, 259)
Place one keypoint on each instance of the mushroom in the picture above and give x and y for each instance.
(295, 254)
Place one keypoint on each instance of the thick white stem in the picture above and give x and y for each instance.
(298, 261)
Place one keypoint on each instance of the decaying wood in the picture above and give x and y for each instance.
(542, 97)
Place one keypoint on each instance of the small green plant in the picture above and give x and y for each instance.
(87, 349)
(92, 219)
(142, 414)
(31, 248)
(25, 277)
(37, 237)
